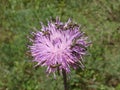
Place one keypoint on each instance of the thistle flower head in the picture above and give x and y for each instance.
(59, 46)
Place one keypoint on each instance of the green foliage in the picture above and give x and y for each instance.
(100, 19)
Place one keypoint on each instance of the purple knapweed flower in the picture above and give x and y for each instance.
(59, 46)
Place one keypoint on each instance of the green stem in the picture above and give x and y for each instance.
(65, 79)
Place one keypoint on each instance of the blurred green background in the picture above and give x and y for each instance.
(101, 22)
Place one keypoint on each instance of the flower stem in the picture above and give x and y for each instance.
(65, 79)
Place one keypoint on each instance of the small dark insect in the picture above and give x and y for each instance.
(28, 53)
(55, 66)
(45, 33)
(66, 28)
(36, 66)
(59, 26)
(43, 62)
(76, 25)
(75, 53)
(53, 20)
(80, 45)
(71, 25)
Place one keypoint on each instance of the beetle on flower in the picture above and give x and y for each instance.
(59, 46)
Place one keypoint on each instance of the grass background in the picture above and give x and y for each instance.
(101, 22)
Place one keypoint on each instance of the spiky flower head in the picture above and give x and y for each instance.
(59, 46)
